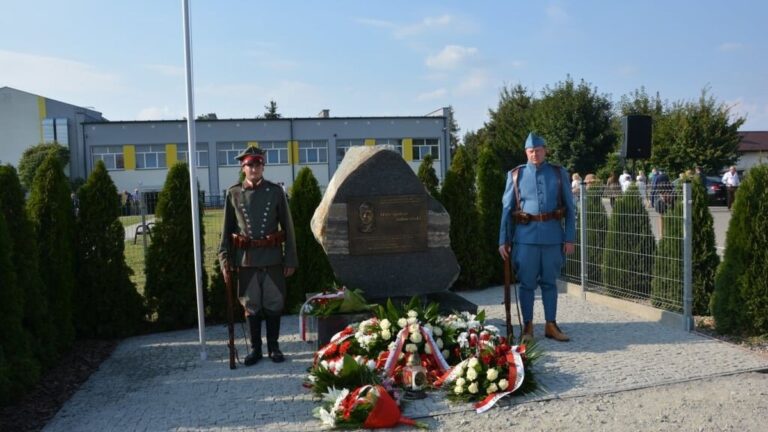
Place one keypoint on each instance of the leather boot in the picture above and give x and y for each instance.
(552, 331)
(527, 336)
(273, 332)
(254, 325)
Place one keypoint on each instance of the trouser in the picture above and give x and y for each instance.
(731, 195)
(538, 265)
(262, 291)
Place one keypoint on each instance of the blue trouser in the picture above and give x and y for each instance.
(538, 265)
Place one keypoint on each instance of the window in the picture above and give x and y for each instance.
(201, 156)
(276, 152)
(425, 146)
(111, 155)
(342, 145)
(395, 143)
(150, 156)
(56, 130)
(313, 151)
(228, 151)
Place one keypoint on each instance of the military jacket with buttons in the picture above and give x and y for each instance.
(539, 194)
(257, 212)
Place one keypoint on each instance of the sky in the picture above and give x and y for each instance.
(125, 59)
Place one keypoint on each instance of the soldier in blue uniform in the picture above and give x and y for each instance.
(539, 219)
(258, 231)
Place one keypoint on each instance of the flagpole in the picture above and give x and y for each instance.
(192, 159)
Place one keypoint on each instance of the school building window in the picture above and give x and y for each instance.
(150, 156)
(395, 143)
(424, 146)
(200, 155)
(313, 151)
(228, 151)
(275, 152)
(342, 145)
(112, 156)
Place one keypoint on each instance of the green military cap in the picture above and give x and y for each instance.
(251, 154)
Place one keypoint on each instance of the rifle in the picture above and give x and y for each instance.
(230, 311)
(507, 298)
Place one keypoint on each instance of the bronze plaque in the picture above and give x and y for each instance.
(387, 224)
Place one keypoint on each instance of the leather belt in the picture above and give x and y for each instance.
(524, 218)
(245, 242)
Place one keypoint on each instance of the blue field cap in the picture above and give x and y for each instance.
(534, 141)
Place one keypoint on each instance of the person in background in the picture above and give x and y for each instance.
(612, 188)
(731, 180)
(575, 186)
(642, 183)
(625, 180)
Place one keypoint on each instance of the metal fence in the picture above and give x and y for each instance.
(635, 245)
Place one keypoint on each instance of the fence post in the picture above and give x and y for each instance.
(583, 234)
(687, 257)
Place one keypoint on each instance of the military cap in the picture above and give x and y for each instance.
(251, 154)
(534, 141)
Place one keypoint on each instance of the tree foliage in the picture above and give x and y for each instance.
(216, 299)
(170, 288)
(705, 260)
(666, 286)
(25, 255)
(428, 176)
(50, 210)
(33, 157)
(270, 112)
(577, 123)
(490, 188)
(509, 125)
(107, 304)
(740, 301)
(314, 273)
(458, 196)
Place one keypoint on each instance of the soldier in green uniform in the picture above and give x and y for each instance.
(258, 238)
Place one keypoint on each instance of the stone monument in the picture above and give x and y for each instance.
(384, 233)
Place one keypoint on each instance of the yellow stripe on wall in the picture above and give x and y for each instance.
(253, 143)
(129, 157)
(370, 142)
(293, 152)
(42, 113)
(171, 155)
(408, 149)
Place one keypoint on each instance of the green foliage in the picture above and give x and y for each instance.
(314, 273)
(740, 301)
(18, 367)
(490, 188)
(270, 112)
(216, 299)
(629, 247)
(704, 254)
(50, 210)
(458, 196)
(33, 157)
(170, 288)
(106, 302)
(696, 133)
(577, 123)
(597, 228)
(24, 255)
(666, 286)
(510, 124)
(428, 176)
(351, 302)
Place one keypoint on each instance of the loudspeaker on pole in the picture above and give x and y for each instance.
(637, 137)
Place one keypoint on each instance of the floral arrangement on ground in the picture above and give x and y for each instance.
(367, 370)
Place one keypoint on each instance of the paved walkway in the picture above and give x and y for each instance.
(157, 382)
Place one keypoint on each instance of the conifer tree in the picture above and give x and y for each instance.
(597, 227)
(314, 273)
(216, 299)
(107, 304)
(704, 254)
(170, 288)
(740, 301)
(666, 286)
(52, 215)
(428, 176)
(25, 257)
(629, 247)
(490, 188)
(458, 196)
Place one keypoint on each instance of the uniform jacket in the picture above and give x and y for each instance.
(256, 213)
(538, 194)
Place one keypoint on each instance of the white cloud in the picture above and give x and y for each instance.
(556, 13)
(428, 23)
(476, 80)
(167, 70)
(450, 57)
(730, 46)
(435, 94)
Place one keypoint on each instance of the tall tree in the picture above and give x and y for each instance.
(697, 133)
(490, 188)
(52, 215)
(453, 131)
(578, 125)
(428, 176)
(33, 157)
(510, 124)
(271, 111)
(107, 304)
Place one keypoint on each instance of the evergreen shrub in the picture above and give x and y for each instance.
(490, 189)
(428, 176)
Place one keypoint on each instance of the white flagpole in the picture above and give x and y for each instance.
(192, 159)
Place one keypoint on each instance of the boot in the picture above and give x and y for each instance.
(552, 331)
(273, 332)
(527, 336)
(254, 325)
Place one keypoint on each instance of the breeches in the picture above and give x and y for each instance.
(538, 265)
(262, 289)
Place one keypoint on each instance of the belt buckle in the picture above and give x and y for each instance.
(525, 218)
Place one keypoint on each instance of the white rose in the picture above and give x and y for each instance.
(402, 322)
(416, 337)
(412, 321)
(492, 389)
(492, 374)
(391, 346)
(371, 364)
(503, 384)
(411, 348)
(427, 349)
(471, 374)
(412, 313)
(458, 389)
(437, 331)
(473, 362)
(460, 382)
(385, 324)
(324, 364)
(473, 388)
(385, 334)
(439, 343)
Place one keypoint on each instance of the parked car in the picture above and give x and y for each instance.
(716, 191)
